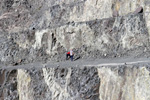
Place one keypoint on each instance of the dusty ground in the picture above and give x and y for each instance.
(82, 63)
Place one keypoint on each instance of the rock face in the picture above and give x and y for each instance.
(43, 30)
(8, 85)
(121, 82)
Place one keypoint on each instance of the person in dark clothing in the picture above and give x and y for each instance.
(69, 55)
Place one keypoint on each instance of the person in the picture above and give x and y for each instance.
(71, 55)
(67, 55)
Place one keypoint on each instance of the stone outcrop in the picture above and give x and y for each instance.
(122, 82)
(8, 85)
(44, 30)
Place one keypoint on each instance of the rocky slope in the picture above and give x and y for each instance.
(109, 82)
(44, 30)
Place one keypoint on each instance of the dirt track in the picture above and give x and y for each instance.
(83, 63)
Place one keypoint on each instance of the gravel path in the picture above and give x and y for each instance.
(82, 63)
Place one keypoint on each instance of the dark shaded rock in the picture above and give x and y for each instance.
(139, 10)
(8, 85)
(8, 3)
(86, 86)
